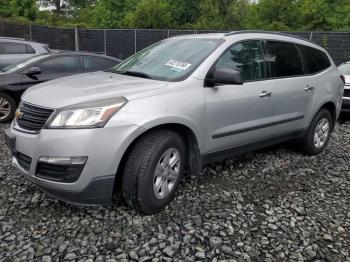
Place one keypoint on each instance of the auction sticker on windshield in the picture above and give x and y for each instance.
(178, 64)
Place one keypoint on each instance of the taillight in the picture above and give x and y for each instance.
(342, 78)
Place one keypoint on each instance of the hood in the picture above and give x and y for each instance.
(89, 87)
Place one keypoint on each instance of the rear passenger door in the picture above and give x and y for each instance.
(294, 91)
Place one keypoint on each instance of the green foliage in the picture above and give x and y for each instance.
(223, 14)
(280, 15)
(150, 14)
(277, 15)
(185, 12)
(111, 13)
(19, 10)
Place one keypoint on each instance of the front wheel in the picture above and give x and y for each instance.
(153, 170)
(318, 133)
(8, 107)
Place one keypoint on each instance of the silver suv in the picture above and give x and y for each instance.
(170, 109)
(16, 50)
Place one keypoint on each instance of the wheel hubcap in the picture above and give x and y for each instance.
(321, 133)
(5, 108)
(167, 173)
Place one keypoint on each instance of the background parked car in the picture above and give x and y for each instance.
(15, 50)
(15, 79)
(345, 71)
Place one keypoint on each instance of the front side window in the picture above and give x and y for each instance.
(284, 59)
(246, 57)
(314, 60)
(61, 65)
(169, 60)
(14, 48)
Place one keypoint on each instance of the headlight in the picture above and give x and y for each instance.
(87, 115)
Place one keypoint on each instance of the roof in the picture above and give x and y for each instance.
(268, 33)
(236, 33)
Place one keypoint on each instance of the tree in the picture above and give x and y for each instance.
(110, 13)
(185, 12)
(283, 15)
(326, 14)
(150, 14)
(19, 9)
(222, 14)
(58, 6)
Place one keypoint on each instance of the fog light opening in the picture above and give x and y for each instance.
(76, 160)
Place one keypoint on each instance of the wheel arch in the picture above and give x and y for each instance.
(194, 163)
(332, 108)
(15, 95)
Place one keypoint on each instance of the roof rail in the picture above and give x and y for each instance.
(269, 32)
(12, 38)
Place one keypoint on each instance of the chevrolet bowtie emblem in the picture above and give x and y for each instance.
(18, 114)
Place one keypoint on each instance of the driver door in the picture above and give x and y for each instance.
(240, 114)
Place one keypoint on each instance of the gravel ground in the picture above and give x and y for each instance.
(270, 205)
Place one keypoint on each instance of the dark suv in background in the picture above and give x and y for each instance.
(15, 79)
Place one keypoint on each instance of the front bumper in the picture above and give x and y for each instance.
(104, 148)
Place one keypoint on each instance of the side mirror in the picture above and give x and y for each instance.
(33, 71)
(227, 76)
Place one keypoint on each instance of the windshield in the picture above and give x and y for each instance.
(344, 69)
(168, 60)
(15, 67)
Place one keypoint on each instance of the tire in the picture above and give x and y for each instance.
(9, 104)
(142, 187)
(310, 142)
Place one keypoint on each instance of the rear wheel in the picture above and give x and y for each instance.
(318, 134)
(8, 107)
(153, 171)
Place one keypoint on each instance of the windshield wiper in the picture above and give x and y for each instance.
(137, 74)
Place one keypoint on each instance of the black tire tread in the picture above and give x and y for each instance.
(136, 166)
(308, 146)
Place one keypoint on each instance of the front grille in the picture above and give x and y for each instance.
(23, 161)
(59, 173)
(33, 117)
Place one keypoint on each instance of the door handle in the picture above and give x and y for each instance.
(309, 88)
(265, 94)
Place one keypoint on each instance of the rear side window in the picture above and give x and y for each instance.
(14, 48)
(284, 59)
(61, 65)
(246, 57)
(92, 63)
(314, 60)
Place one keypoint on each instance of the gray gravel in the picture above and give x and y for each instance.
(271, 205)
